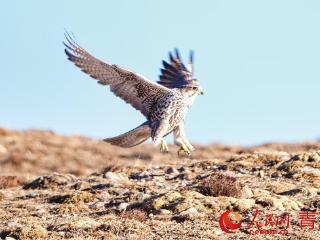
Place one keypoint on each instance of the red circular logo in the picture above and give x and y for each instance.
(230, 221)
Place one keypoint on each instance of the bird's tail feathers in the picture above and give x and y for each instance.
(132, 138)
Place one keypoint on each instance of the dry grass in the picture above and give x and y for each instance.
(134, 214)
(11, 181)
(73, 198)
(32, 231)
(220, 185)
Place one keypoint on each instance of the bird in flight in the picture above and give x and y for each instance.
(164, 103)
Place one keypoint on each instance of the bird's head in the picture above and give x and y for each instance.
(194, 88)
(176, 75)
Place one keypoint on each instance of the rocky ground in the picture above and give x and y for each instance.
(56, 187)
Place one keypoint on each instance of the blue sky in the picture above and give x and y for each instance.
(257, 61)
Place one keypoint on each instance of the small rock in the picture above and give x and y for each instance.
(188, 214)
(123, 206)
(183, 169)
(224, 202)
(312, 156)
(172, 170)
(32, 195)
(290, 204)
(314, 172)
(50, 181)
(165, 199)
(284, 156)
(244, 204)
(160, 184)
(164, 212)
(3, 150)
(114, 176)
(223, 167)
(12, 224)
(10, 238)
(193, 195)
(105, 196)
(293, 163)
(247, 192)
(260, 192)
(241, 170)
(275, 175)
(142, 196)
(261, 173)
(191, 210)
(97, 205)
(41, 211)
(186, 176)
(210, 202)
(140, 175)
(218, 232)
(290, 192)
(271, 202)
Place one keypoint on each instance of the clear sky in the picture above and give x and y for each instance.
(257, 61)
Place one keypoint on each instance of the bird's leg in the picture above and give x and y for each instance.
(181, 140)
(183, 148)
(159, 129)
(164, 146)
(188, 144)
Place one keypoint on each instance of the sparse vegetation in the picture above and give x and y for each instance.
(219, 184)
(11, 181)
(134, 214)
(56, 187)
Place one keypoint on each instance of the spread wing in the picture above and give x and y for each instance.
(133, 88)
(175, 74)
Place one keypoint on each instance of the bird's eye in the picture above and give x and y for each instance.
(195, 88)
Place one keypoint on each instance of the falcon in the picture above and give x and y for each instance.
(163, 103)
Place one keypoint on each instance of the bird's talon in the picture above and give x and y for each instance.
(164, 151)
(164, 147)
(184, 149)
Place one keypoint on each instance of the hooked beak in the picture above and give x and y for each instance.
(201, 92)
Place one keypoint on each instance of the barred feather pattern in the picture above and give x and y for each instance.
(133, 88)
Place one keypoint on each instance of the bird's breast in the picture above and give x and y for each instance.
(177, 116)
